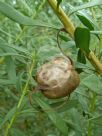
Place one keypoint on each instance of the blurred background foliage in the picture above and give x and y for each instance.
(23, 47)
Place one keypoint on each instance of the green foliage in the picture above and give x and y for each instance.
(28, 32)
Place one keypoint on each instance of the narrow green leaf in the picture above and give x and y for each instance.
(12, 54)
(97, 119)
(97, 32)
(73, 126)
(85, 21)
(54, 117)
(82, 39)
(85, 18)
(18, 17)
(75, 116)
(80, 65)
(6, 82)
(87, 5)
(83, 103)
(65, 38)
(94, 83)
(64, 105)
(8, 116)
(13, 14)
(16, 132)
(11, 69)
(12, 49)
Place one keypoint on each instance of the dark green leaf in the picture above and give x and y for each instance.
(81, 57)
(59, 2)
(82, 39)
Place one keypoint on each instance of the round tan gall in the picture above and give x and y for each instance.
(57, 78)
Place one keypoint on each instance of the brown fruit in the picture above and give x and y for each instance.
(57, 78)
